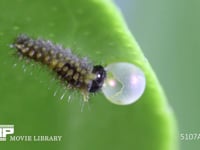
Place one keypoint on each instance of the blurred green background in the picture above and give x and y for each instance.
(168, 32)
(34, 111)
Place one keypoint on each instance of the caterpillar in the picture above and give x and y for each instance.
(74, 72)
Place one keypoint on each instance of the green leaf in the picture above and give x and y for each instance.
(92, 28)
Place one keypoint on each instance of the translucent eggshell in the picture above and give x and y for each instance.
(125, 83)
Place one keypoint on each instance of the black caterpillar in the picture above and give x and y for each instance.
(73, 71)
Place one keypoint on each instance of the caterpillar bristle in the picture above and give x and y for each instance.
(74, 72)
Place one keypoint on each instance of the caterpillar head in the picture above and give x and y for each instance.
(97, 83)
